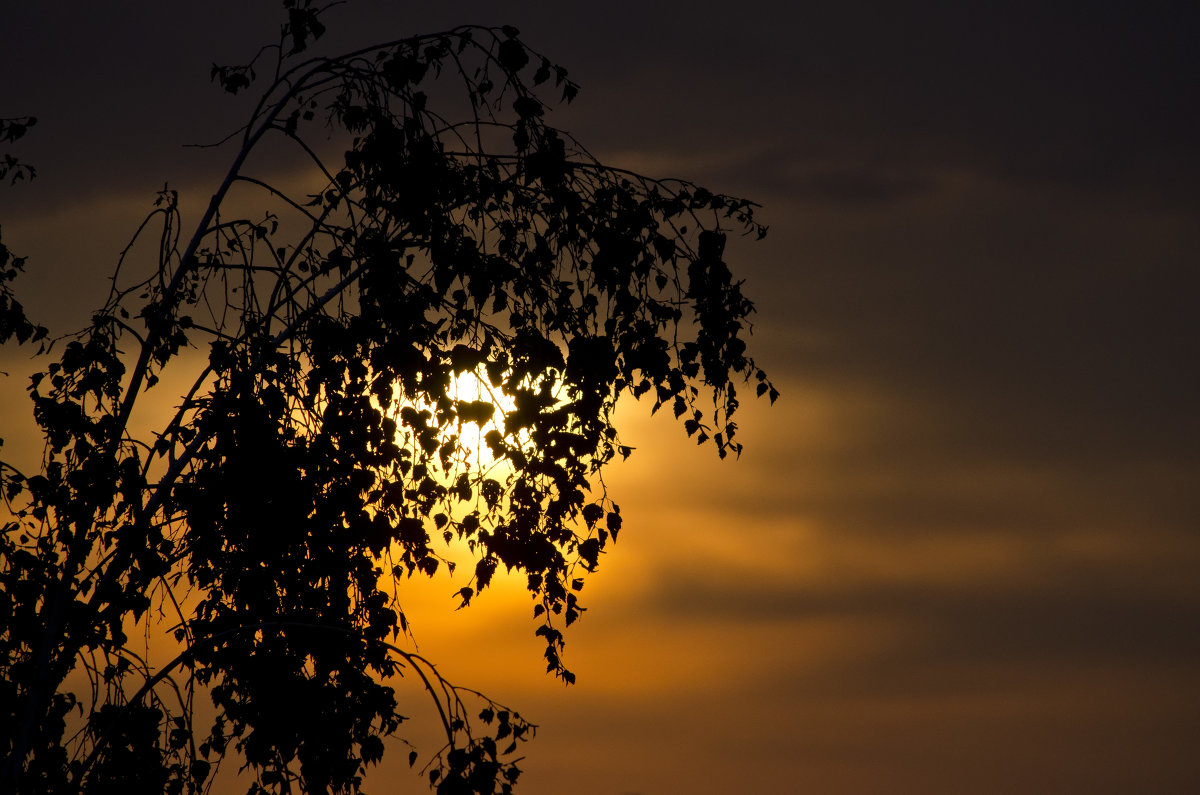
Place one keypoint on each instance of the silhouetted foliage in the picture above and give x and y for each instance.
(12, 130)
(321, 455)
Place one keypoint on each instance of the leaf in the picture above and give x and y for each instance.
(589, 552)
(528, 107)
(592, 514)
(512, 55)
(303, 23)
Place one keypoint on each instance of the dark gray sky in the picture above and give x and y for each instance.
(961, 553)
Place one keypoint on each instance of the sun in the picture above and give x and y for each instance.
(473, 389)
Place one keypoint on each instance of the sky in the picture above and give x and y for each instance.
(961, 552)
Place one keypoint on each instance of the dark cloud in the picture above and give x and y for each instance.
(1084, 619)
(1035, 91)
(1034, 326)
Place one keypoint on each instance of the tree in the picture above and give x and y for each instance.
(461, 267)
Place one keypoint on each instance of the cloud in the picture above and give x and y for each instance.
(1083, 620)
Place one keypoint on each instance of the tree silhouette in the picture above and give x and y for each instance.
(461, 270)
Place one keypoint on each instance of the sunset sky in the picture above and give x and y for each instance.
(962, 552)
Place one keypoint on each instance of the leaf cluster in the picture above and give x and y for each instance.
(12, 129)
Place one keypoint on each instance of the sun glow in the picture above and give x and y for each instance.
(481, 409)
(473, 388)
